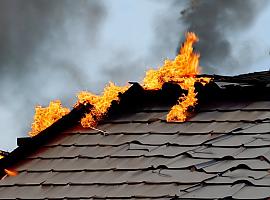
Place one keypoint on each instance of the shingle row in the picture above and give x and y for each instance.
(219, 153)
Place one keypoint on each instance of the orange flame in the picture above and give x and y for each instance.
(185, 65)
(45, 117)
(182, 70)
(11, 172)
(100, 104)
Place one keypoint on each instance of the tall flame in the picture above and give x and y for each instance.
(185, 65)
(182, 70)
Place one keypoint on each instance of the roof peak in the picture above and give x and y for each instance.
(252, 77)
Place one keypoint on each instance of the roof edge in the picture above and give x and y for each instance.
(31, 143)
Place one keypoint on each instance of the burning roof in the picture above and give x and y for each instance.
(220, 152)
(182, 71)
(129, 150)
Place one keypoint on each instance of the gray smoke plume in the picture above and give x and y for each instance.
(127, 65)
(41, 46)
(216, 22)
(25, 25)
(50, 49)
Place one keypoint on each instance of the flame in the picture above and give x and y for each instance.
(182, 70)
(100, 104)
(11, 172)
(185, 65)
(45, 117)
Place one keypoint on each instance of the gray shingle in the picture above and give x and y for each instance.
(251, 192)
(212, 191)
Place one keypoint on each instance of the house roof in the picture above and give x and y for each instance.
(221, 152)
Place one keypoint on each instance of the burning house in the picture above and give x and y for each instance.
(178, 135)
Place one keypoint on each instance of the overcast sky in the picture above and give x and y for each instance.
(53, 50)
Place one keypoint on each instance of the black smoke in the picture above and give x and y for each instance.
(219, 23)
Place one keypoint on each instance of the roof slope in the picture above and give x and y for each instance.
(221, 152)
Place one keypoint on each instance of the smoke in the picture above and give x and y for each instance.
(42, 48)
(129, 65)
(51, 49)
(219, 24)
(26, 25)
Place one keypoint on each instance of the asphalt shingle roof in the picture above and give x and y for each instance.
(221, 152)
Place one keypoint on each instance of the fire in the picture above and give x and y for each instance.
(11, 172)
(100, 104)
(182, 71)
(45, 117)
(185, 65)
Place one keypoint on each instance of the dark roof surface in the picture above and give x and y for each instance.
(221, 152)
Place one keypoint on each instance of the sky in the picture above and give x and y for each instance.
(53, 50)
